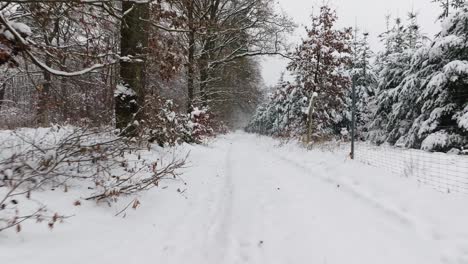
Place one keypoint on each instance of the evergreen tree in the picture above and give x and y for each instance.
(365, 80)
(413, 32)
(434, 97)
(284, 114)
(393, 64)
(448, 5)
(424, 103)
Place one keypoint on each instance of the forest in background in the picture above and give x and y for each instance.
(172, 70)
(155, 63)
(412, 94)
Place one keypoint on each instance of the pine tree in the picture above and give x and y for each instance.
(365, 80)
(423, 103)
(284, 114)
(436, 90)
(393, 65)
(447, 6)
(413, 32)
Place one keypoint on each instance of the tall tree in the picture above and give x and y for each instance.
(71, 46)
(64, 36)
(393, 64)
(220, 32)
(422, 101)
(134, 43)
(320, 64)
(431, 111)
(191, 54)
(365, 80)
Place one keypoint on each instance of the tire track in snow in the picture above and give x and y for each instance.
(234, 232)
(242, 219)
(218, 234)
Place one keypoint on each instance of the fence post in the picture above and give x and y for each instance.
(353, 119)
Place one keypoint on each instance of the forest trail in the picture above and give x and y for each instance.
(276, 211)
(248, 201)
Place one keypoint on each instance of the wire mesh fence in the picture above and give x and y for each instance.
(444, 172)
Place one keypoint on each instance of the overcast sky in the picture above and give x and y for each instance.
(368, 14)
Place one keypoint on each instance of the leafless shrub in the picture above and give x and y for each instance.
(133, 184)
(63, 157)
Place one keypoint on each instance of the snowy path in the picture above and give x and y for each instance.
(250, 202)
(280, 212)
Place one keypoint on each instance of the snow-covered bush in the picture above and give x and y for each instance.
(441, 141)
(162, 123)
(201, 124)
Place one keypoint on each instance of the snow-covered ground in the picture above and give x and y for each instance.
(443, 172)
(249, 199)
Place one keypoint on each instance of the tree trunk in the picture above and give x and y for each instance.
(205, 71)
(204, 78)
(208, 49)
(134, 43)
(191, 58)
(2, 94)
(44, 90)
(44, 96)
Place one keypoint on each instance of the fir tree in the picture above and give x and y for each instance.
(447, 6)
(393, 64)
(365, 80)
(284, 114)
(426, 104)
(436, 90)
(413, 32)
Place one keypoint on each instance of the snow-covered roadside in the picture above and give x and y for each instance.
(438, 217)
(94, 163)
(250, 199)
(443, 172)
(135, 236)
